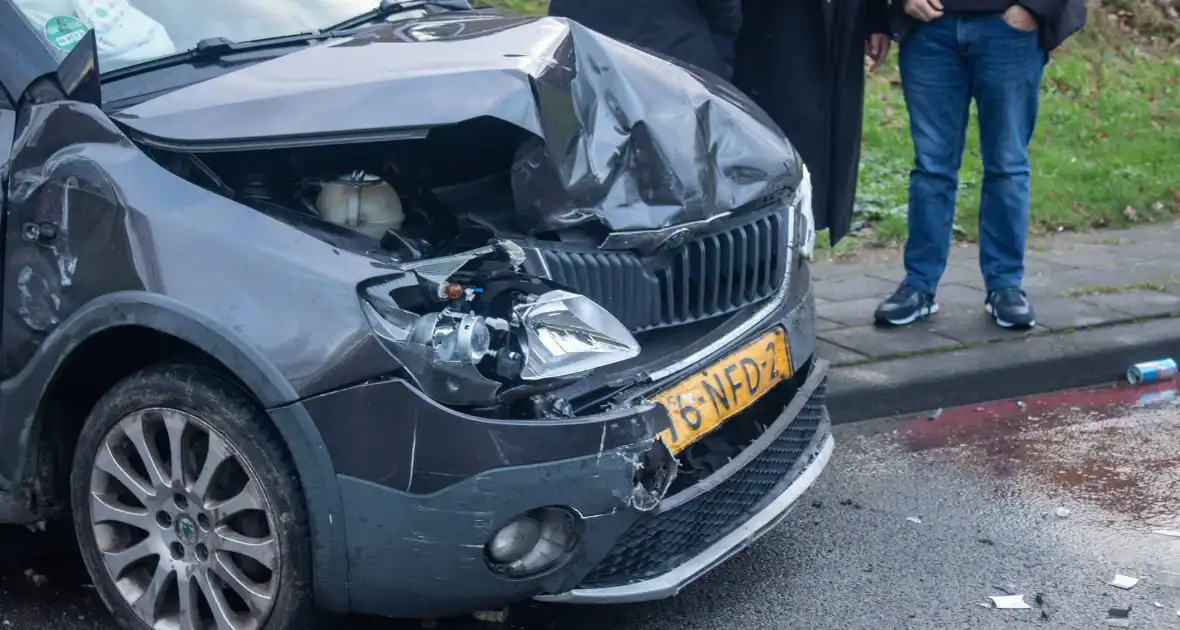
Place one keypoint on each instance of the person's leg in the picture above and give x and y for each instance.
(937, 89)
(1007, 67)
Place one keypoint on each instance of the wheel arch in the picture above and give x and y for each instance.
(147, 329)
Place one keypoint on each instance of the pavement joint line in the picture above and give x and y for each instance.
(1158, 286)
(844, 347)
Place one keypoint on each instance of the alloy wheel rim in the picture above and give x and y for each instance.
(183, 527)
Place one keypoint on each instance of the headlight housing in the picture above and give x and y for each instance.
(567, 334)
(805, 217)
(466, 337)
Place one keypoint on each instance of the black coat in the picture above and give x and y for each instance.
(698, 32)
(803, 62)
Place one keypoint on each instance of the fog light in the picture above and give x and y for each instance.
(533, 542)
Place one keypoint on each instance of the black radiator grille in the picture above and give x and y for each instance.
(659, 543)
(710, 276)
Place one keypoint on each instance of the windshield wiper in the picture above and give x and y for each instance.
(391, 7)
(212, 49)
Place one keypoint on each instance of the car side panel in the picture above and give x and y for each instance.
(93, 221)
(20, 399)
(90, 214)
(7, 129)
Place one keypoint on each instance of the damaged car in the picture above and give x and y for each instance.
(410, 311)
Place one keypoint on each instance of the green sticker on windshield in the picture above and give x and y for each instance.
(65, 32)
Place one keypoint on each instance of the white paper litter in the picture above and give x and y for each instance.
(914, 519)
(1124, 582)
(1062, 512)
(1009, 602)
(1171, 533)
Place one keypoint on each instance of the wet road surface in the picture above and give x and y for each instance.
(914, 525)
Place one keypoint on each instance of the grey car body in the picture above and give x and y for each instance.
(129, 242)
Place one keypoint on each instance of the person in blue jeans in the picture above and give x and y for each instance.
(952, 52)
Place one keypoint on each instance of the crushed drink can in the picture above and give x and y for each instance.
(1151, 371)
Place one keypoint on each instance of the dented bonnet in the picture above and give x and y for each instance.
(619, 136)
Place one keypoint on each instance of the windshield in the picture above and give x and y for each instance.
(134, 31)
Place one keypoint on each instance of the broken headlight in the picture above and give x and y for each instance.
(806, 218)
(567, 334)
(468, 326)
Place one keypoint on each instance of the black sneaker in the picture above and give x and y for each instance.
(1010, 308)
(905, 306)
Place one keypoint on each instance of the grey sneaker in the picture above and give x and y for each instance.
(905, 306)
(1010, 308)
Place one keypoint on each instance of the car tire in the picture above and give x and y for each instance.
(237, 538)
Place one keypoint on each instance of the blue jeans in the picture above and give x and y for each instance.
(945, 64)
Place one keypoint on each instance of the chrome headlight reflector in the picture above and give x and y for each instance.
(567, 334)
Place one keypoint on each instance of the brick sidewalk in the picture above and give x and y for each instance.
(1074, 282)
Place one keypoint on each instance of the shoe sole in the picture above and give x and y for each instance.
(1005, 324)
(921, 313)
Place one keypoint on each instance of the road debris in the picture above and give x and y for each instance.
(1009, 602)
(1020, 403)
(1120, 613)
(491, 616)
(1157, 604)
(1119, 617)
(1151, 371)
(1171, 533)
(1124, 582)
(1061, 512)
(36, 578)
(936, 414)
(914, 519)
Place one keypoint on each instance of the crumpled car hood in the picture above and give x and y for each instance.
(623, 137)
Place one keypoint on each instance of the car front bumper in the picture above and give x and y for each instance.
(746, 533)
(424, 488)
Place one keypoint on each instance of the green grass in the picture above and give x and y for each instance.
(1105, 154)
(530, 7)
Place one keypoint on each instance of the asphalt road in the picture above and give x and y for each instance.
(916, 523)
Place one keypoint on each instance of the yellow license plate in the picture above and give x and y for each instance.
(700, 403)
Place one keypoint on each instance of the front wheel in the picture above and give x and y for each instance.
(187, 508)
